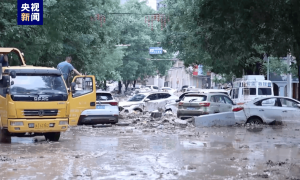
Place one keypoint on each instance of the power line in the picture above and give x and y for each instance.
(161, 59)
(131, 14)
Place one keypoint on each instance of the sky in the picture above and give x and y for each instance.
(151, 3)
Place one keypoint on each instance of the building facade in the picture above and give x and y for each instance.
(179, 76)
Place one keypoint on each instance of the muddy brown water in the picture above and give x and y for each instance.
(133, 152)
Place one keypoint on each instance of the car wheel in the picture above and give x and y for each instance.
(254, 121)
(138, 111)
(169, 110)
(53, 136)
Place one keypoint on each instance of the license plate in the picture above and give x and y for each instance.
(190, 108)
(41, 125)
(100, 107)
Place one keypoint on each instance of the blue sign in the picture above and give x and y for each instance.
(30, 12)
(155, 50)
(200, 70)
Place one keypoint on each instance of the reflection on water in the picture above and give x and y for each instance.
(209, 153)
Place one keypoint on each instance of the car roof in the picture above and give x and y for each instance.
(194, 94)
(206, 94)
(148, 93)
(261, 98)
(101, 91)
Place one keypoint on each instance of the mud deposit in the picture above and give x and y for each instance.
(162, 148)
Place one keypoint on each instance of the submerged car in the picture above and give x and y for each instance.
(148, 101)
(196, 104)
(173, 106)
(269, 109)
(169, 90)
(104, 97)
(103, 114)
(184, 89)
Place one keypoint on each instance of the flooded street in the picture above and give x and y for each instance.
(138, 151)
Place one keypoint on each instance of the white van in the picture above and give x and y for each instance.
(249, 88)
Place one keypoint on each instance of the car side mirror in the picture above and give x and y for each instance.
(13, 74)
(6, 81)
(146, 100)
(298, 105)
(177, 100)
(73, 84)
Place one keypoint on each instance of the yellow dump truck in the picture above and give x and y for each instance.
(35, 101)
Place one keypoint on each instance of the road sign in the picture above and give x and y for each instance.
(155, 50)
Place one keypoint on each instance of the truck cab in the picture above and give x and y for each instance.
(250, 87)
(35, 100)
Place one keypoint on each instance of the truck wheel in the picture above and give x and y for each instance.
(5, 136)
(53, 136)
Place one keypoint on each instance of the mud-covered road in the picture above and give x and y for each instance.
(157, 149)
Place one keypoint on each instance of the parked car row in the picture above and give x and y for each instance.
(261, 110)
(193, 103)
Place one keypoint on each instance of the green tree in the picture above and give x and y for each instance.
(140, 37)
(232, 36)
(70, 28)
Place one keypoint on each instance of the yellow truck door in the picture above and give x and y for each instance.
(84, 97)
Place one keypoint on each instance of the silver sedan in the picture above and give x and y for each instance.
(197, 104)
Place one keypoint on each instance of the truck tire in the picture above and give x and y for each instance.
(53, 136)
(5, 136)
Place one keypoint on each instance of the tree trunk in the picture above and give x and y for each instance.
(126, 85)
(298, 80)
(120, 87)
(134, 83)
(104, 85)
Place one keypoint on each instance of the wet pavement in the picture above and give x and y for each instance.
(157, 150)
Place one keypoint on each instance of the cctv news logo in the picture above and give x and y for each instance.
(30, 12)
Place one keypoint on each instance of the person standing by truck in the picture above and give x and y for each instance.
(66, 68)
(4, 60)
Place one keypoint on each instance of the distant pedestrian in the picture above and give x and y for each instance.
(4, 60)
(66, 68)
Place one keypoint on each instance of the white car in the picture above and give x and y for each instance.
(141, 89)
(149, 101)
(187, 88)
(104, 113)
(153, 88)
(269, 109)
(104, 97)
(169, 90)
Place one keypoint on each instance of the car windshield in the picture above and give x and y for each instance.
(194, 98)
(103, 96)
(264, 91)
(138, 97)
(38, 87)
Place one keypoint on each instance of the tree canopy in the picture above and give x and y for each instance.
(88, 31)
(232, 35)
